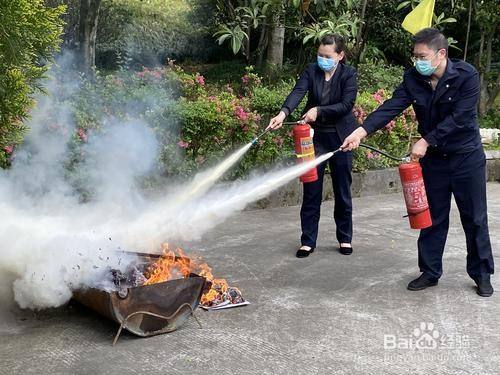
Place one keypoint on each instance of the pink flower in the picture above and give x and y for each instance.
(370, 155)
(377, 98)
(240, 113)
(81, 134)
(183, 144)
(9, 149)
(212, 98)
(245, 79)
(200, 80)
(140, 74)
(390, 125)
(244, 128)
(229, 89)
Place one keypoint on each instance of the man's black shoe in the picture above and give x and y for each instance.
(484, 288)
(422, 282)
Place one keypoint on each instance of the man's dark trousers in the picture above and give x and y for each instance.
(340, 167)
(462, 175)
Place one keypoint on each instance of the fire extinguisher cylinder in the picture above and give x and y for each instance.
(304, 149)
(415, 196)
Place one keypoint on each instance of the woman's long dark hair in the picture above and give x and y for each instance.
(338, 42)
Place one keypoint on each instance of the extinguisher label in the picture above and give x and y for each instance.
(415, 196)
(307, 149)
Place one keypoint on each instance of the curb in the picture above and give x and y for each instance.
(364, 184)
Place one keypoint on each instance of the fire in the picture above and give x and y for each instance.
(175, 264)
(169, 266)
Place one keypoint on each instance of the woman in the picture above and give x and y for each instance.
(331, 90)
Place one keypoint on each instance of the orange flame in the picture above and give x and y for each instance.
(175, 264)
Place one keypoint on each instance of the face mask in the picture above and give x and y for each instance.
(425, 67)
(327, 64)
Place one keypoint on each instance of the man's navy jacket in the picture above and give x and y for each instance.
(447, 116)
(338, 112)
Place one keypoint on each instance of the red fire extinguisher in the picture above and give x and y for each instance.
(415, 195)
(304, 149)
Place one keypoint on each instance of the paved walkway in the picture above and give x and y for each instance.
(327, 314)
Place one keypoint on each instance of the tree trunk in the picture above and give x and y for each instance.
(87, 30)
(489, 96)
(261, 47)
(359, 36)
(247, 45)
(481, 75)
(276, 45)
(468, 30)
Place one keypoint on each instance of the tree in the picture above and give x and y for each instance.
(29, 35)
(488, 17)
(87, 31)
(81, 30)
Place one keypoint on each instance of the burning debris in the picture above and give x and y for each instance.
(175, 264)
(157, 294)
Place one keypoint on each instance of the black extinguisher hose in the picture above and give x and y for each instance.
(400, 159)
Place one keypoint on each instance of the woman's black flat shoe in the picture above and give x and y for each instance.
(345, 250)
(302, 253)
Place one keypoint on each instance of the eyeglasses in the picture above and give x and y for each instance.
(415, 59)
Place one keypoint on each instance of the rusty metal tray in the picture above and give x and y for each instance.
(149, 309)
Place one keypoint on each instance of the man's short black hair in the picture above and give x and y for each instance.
(432, 38)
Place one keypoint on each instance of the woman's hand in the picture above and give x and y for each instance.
(419, 149)
(311, 115)
(277, 121)
(354, 139)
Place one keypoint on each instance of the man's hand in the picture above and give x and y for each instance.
(354, 139)
(277, 121)
(311, 115)
(419, 149)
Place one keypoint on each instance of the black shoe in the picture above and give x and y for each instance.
(422, 282)
(484, 288)
(345, 250)
(303, 253)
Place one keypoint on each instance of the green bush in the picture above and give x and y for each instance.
(29, 34)
(198, 123)
(395, 138)
(147, 32)
(491, 120)
(373, 76)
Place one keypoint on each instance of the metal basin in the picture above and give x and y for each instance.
(150, 309)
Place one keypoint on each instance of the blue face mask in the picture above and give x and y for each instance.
(327, 64)
(425, 67)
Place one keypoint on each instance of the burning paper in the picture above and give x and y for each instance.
(175, 265)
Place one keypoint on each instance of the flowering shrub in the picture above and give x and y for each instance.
(215, 120)
(198, 122)
(395, 138)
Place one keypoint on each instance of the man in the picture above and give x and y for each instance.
(444, 94)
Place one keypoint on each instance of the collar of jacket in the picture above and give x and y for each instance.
(320, 78)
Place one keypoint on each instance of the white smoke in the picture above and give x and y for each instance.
(53, 244)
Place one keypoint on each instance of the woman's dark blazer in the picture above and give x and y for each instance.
(338, 112)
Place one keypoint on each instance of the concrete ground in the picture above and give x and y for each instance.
(327, 314)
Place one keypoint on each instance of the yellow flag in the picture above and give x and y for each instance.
(420, 17)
